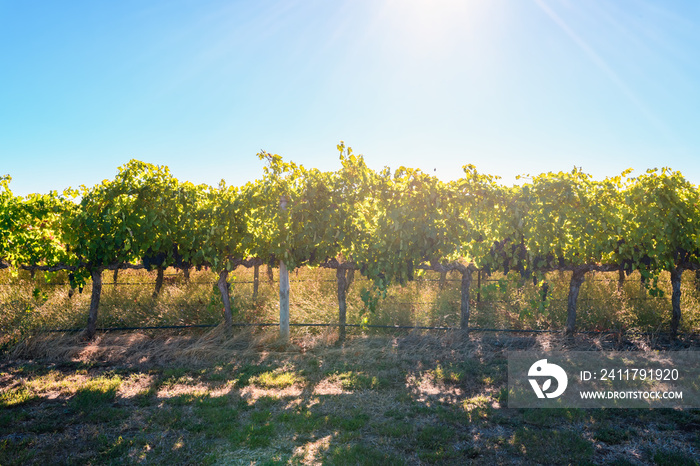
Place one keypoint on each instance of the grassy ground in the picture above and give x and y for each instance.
(212, 398)
(382, 398)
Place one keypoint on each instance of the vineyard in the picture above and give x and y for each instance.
(374, 239)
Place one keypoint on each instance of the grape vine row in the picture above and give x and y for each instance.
(387, 225)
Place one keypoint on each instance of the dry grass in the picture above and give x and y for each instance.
(194, 348)
(30, 305)
(141, 348)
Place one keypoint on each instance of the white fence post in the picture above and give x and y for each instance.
(284, 290)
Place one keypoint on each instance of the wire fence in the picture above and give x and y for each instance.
(478, 300)
(371, 326)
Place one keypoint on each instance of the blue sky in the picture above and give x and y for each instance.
(511, 86)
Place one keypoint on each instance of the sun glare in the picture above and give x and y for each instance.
(433, 27)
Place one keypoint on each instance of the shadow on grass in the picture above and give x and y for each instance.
(354, 405)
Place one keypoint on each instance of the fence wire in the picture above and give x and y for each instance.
(262, 280)
(391, 327)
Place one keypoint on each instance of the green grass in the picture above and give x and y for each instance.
(562, 446)
(358, 454)
(613, 435)
(275, 379)
(407, 400)
(304, 421)
(451, 374)
(359, 380)
(433, 437)
(248, 373)
(552, 417)
(16, 451)
(257, 434)
(663, 457)
(16, 397)
(176, 375)
(96, 392)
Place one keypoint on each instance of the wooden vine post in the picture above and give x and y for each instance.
(676, 275)
(544, 289)
(160, 273)
(464, 302)
(478, 286)
(222, 283)
(256, 281)
(577, 278)
(284, 302)
(620, 279)
(284, 290)
(350, 274)
(342, 306)
(96, 274)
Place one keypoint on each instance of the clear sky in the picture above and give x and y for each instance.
(511, 86)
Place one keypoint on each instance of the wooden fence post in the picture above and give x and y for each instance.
(222, 283)
(620, 279)
(284, 302)
(284, 290)
(159, 281)
(577, 278)
(256, 281)
(478, 286)
(676, 276)
(464, 302)
(342, 305)
(94, 302)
